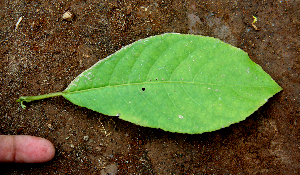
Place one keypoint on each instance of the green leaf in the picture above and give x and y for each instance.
(179, 83)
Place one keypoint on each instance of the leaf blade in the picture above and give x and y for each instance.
(179, 83)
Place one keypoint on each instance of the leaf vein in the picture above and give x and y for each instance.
(159, 58)
(170, 99)
(112, 74)
(181, 63)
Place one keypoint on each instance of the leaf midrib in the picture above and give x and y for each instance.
(165, 82)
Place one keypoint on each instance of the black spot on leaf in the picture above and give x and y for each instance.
(143, 89)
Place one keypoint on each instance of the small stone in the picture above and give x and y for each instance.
(50, 126)
(68, 16)
(98, 148)
(111, 169)
(85, 138)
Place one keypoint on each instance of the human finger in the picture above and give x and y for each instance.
(25, 149)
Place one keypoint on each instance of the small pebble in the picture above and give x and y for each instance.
(68, 16)
(85, 138)
(111, 169)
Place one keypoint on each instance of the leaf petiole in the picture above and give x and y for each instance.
(38, 97)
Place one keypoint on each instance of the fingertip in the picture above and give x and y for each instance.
(25, 149)
(31, 149)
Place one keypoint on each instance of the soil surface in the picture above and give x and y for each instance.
(40, 52)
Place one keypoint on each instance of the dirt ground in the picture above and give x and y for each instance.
(42, 53)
